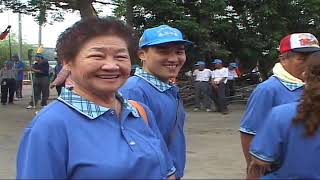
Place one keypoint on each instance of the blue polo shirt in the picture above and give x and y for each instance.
(73, 138)
(19, 66)
(285, 145)
(164, 101)
(272, 92)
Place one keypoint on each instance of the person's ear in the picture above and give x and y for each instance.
(67, 65)
(304, 76)
(142, 54)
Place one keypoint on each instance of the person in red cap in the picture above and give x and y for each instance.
(285, 86)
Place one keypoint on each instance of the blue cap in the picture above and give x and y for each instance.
(160, 35)
(39, 56)
(200, 63)
(8, 62)
(234, 65)
(217, 61)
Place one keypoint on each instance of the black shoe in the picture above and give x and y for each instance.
(3, 103)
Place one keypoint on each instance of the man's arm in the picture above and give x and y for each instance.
(246, 142)
(222, 80)
(257, 168)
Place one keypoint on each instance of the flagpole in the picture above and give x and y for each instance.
(10, 50)
(20, 36)
(31, 77)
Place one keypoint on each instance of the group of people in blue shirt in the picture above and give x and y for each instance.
(107, 125)
(280, 133)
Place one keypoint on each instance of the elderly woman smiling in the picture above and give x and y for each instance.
(91, 131)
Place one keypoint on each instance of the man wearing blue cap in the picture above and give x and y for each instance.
(232, 75)
(162, 52)
(7, 79)
(202, 77)
(41, 81)
(219, 79)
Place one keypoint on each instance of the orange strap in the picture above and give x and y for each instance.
(141, 110)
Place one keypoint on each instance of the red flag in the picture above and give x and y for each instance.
(4, 34)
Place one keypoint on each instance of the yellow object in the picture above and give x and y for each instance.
(282, 74)
(40, 50)
(141, 110)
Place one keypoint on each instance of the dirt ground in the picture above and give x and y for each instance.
(213, 152)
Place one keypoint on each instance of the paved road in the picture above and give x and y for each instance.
(214, 149)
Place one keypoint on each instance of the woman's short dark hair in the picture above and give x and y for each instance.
(71, 40)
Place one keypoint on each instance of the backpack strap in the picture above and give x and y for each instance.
(141, 110)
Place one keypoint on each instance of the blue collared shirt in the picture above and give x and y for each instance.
(73, 138)
(285, 146)
(267, 95)
(164, 101)
(19, 66)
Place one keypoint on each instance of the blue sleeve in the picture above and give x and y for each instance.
(267, 144)
(42, 152)
(153, 125)
(259, 105)
(134, 94)
(20, 66)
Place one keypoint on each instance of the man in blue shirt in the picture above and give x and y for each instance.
(162, 52)
(19, 67)
(289, 143)
(40, 82)
(283, 87)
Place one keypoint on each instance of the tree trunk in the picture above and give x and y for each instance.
(86, 8)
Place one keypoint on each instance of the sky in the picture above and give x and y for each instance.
(30, 28)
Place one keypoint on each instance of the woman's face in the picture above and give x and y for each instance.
(101, 66)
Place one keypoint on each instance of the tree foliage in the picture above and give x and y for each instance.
(247, 31)
(54, 10)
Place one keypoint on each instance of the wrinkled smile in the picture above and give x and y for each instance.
(108, 76)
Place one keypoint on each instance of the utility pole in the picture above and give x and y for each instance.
(40, 35)
(20, 36)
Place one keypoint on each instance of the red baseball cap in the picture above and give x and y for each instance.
(299, 42)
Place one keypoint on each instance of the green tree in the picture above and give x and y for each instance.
(55, 8)
(248, 31)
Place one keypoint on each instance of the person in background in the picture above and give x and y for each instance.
(8, 82)
(202, 88)
(232, 75)
(162, 52)
(91, 131)
(57, 70)
(285, 86)
(287, 147)
(40, 81)
(19, 66)
(219, 79)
